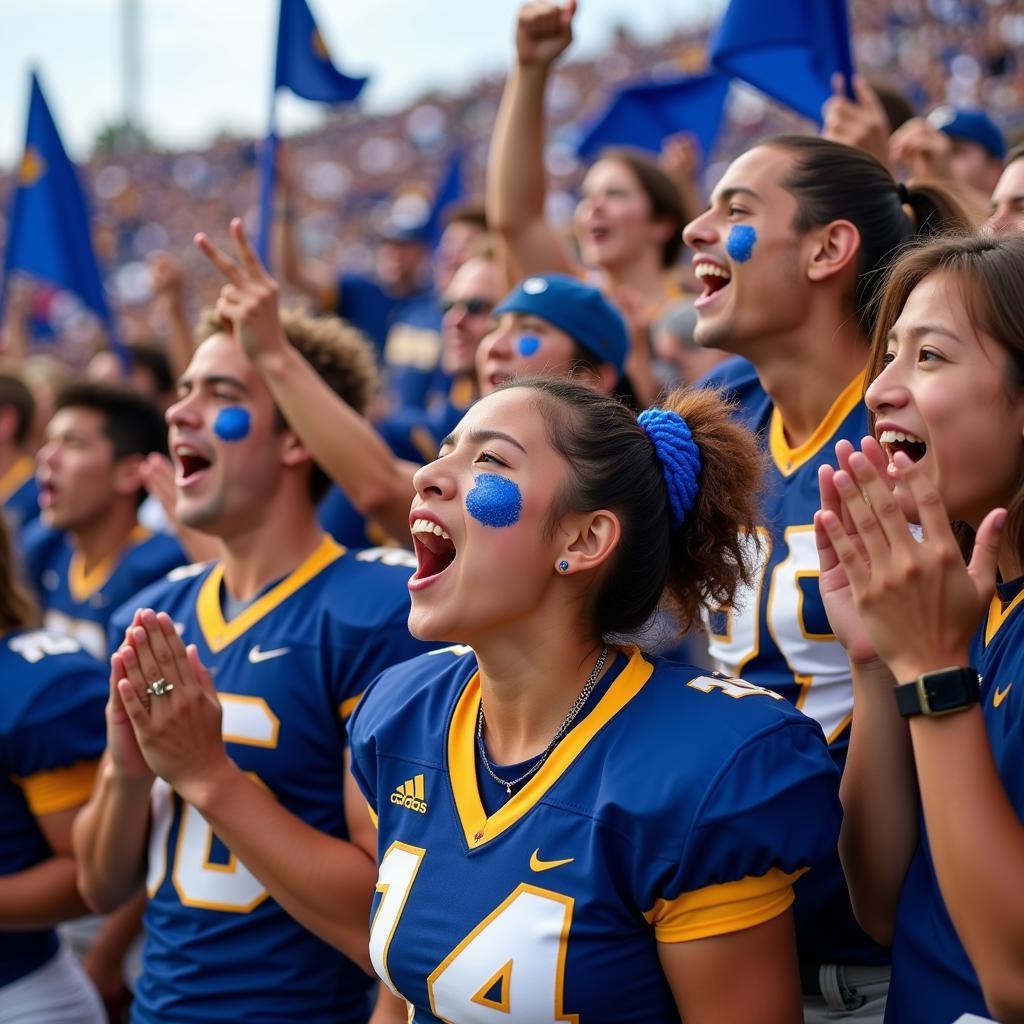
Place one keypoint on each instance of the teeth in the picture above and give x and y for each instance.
(187, 449)
(891, 436)
(711, 270)
(426, 526)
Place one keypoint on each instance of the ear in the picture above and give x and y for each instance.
(589, 539)
(128, 475)
(834, 247)
(602, 379)
(293, 451)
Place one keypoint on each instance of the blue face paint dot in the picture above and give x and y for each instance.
(494, 501)
(232, 423)
(740, 244)
(528, 345)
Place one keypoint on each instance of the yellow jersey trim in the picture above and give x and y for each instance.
(476, 826)
(218, 633)
(82, 585)
(725, 908)
(997, 614)
(17, 475)
(59, 789)
(373, 815)
(788, 460)
(346, 707)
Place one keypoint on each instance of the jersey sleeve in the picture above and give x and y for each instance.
(52, 751)
(770, 814)
(362, 726)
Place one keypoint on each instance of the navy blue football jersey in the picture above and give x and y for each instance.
(288, 669)
(933, 982)
(79, 603)
(52, 733)
(777, 634)
(683, 806)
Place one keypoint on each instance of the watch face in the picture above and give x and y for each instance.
(948, 691)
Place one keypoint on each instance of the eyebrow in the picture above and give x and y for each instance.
(480, 436)
(914, 333)
(212, 380)
(736, 190)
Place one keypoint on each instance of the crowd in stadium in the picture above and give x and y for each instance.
(593, 598)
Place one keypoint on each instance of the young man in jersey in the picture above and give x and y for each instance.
(89, 554)
(812, 221)
(18, 492)
(293, 627)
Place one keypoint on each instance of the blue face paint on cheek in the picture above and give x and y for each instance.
(740, 244)
(494, 501)
(528, 345)
(232, 423)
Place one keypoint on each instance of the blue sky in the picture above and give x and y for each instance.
(206, 63)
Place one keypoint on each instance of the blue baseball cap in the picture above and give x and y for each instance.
(576, 308)
(972, 125)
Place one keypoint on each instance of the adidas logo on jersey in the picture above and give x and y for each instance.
(410, 794)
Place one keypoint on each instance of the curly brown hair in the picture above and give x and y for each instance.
(612, 464)
(340, 353)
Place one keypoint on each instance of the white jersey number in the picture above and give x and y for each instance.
(198, 881)
(508, 969)
(817, 660)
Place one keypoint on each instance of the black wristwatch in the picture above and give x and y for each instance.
(939, 693)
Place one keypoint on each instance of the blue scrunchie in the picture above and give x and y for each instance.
(679, 457)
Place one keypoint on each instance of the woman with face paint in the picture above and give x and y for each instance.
(791, 252)
(933, 836)
(568, 828)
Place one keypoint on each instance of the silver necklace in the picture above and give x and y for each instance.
(588, 689)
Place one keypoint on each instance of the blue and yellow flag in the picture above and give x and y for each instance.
(303, 63)
(788, 49)
(304, 66)
(49, 236)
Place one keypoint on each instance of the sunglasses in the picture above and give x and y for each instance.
(473, 307)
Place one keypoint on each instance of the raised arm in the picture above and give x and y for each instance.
(325, 883)
(169, 288)
(340, 440)
(515, 168)
(313, 278)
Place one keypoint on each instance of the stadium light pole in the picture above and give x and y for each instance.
(132, 74)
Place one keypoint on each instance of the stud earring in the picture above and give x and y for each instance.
(563, 566)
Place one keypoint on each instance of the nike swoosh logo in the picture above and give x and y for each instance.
(998, 696)
(536, 864)
(256, 655)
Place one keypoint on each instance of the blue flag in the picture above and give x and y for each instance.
(789, 49)
(304, 66)
(644, 115)
(303, 63)
(450, 190)
(48, 235)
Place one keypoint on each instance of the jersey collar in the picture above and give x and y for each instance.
(82, 585)
(788, 460)
(218, 632)
(477, 828)
(997, 614)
